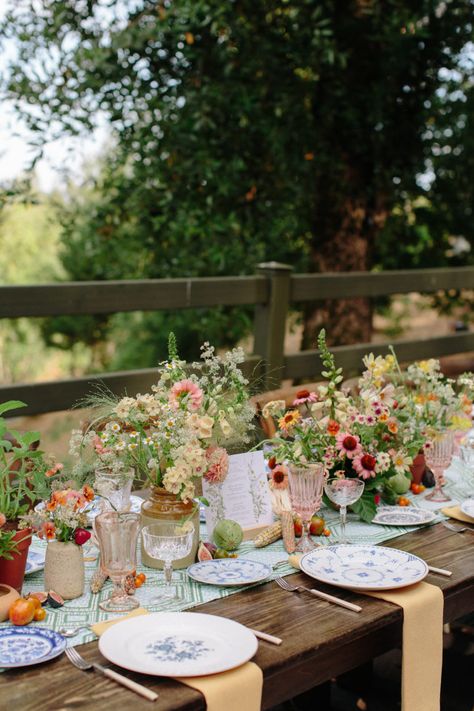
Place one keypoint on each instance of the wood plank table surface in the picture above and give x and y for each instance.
(320, 640)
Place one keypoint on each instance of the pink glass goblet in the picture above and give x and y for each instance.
(306, 491)
(117, 533)
(438, 457)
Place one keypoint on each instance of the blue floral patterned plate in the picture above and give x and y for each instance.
(178, 644)
(229, 571)
(364, 567)
(35, 561)
(23, 646)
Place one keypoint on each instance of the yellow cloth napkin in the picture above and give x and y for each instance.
(100, 627)
(422, 644)
(455, 512)
(232, 690)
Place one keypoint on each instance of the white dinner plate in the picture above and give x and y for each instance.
(402, 516)
(35, 560)
(467, 507)
(229, 571)
(178, 644)
(364, 567)
(93, 509)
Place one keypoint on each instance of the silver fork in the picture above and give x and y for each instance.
(285, 585)
(78, 661)
(456, 527)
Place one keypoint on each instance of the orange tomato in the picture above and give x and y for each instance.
(326, 532)
(415, 488)
(40, 614)
(403, 501)
(142, 577)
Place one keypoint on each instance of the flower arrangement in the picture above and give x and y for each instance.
(22, 479)
(63, 516)
(354, 436)
(179, 432)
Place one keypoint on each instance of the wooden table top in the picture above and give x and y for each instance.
(320, 640)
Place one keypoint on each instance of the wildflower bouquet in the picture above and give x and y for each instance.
(63, 516)
(354, 436)
(179, 432)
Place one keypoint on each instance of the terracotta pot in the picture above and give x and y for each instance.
(418, 467)
(164, 506)
(64, 569)
(7, 596)
(12, 572)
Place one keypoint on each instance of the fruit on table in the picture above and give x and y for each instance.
(42, 597)
(221, 553)
(400, 483)
(228, 534)
(203, 553)
(54, 599)
(139, 580)
(403, 501)
(22, 611)
(417, 488)
(40, 614)
(316, 526)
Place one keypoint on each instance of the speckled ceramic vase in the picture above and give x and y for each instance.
(64, 569)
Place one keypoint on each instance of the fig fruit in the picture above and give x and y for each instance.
(203, 552)
(55, 599)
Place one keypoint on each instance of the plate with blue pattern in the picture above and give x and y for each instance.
(229, 571)
(35, 560)
(364, 567)
(24, 646)
(402, 516)
(178, 644)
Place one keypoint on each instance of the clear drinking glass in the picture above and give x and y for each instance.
(466, 453)
(114, 488)
(343, 492)
(117, 533)
(168, 541)
(306, 490)
(438, 458)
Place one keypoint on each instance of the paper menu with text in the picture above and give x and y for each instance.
(243, 496)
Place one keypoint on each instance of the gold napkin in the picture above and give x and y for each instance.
(422, 644)
(100, 627)
(233, 690)
(455, 512)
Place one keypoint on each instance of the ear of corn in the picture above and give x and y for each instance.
(288, 531)
(269, 535)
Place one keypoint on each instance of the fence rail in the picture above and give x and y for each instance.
(272, 291)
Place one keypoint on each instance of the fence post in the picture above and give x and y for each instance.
(270, 322)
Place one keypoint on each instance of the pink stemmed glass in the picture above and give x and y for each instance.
(438, 457)
(306, 491)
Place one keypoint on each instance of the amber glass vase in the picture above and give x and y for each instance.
(161, 505)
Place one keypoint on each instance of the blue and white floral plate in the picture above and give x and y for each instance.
(35, 560)
(402, 516)
(93, 509)
(178, 644)
(229, 571)
(24, 646)
(364, 567)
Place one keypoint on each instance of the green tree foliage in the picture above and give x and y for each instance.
(282, 129)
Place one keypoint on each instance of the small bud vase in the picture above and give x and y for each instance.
(64, 569)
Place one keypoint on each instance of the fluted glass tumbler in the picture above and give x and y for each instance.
(306, 490)
(168, 541)
(117, 533)
(343, 492)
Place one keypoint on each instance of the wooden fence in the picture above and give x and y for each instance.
(271, 291)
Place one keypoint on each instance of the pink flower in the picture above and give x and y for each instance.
(218, 464)
(365, 464)
(348, 444)
(3, 519)
(303, 396)
(99, 447)
(188, 392)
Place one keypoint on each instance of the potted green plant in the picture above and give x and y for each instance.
(22, 484)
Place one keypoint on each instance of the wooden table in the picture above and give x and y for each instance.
(320, 641)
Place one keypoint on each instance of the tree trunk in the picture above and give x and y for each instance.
(343, 241)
